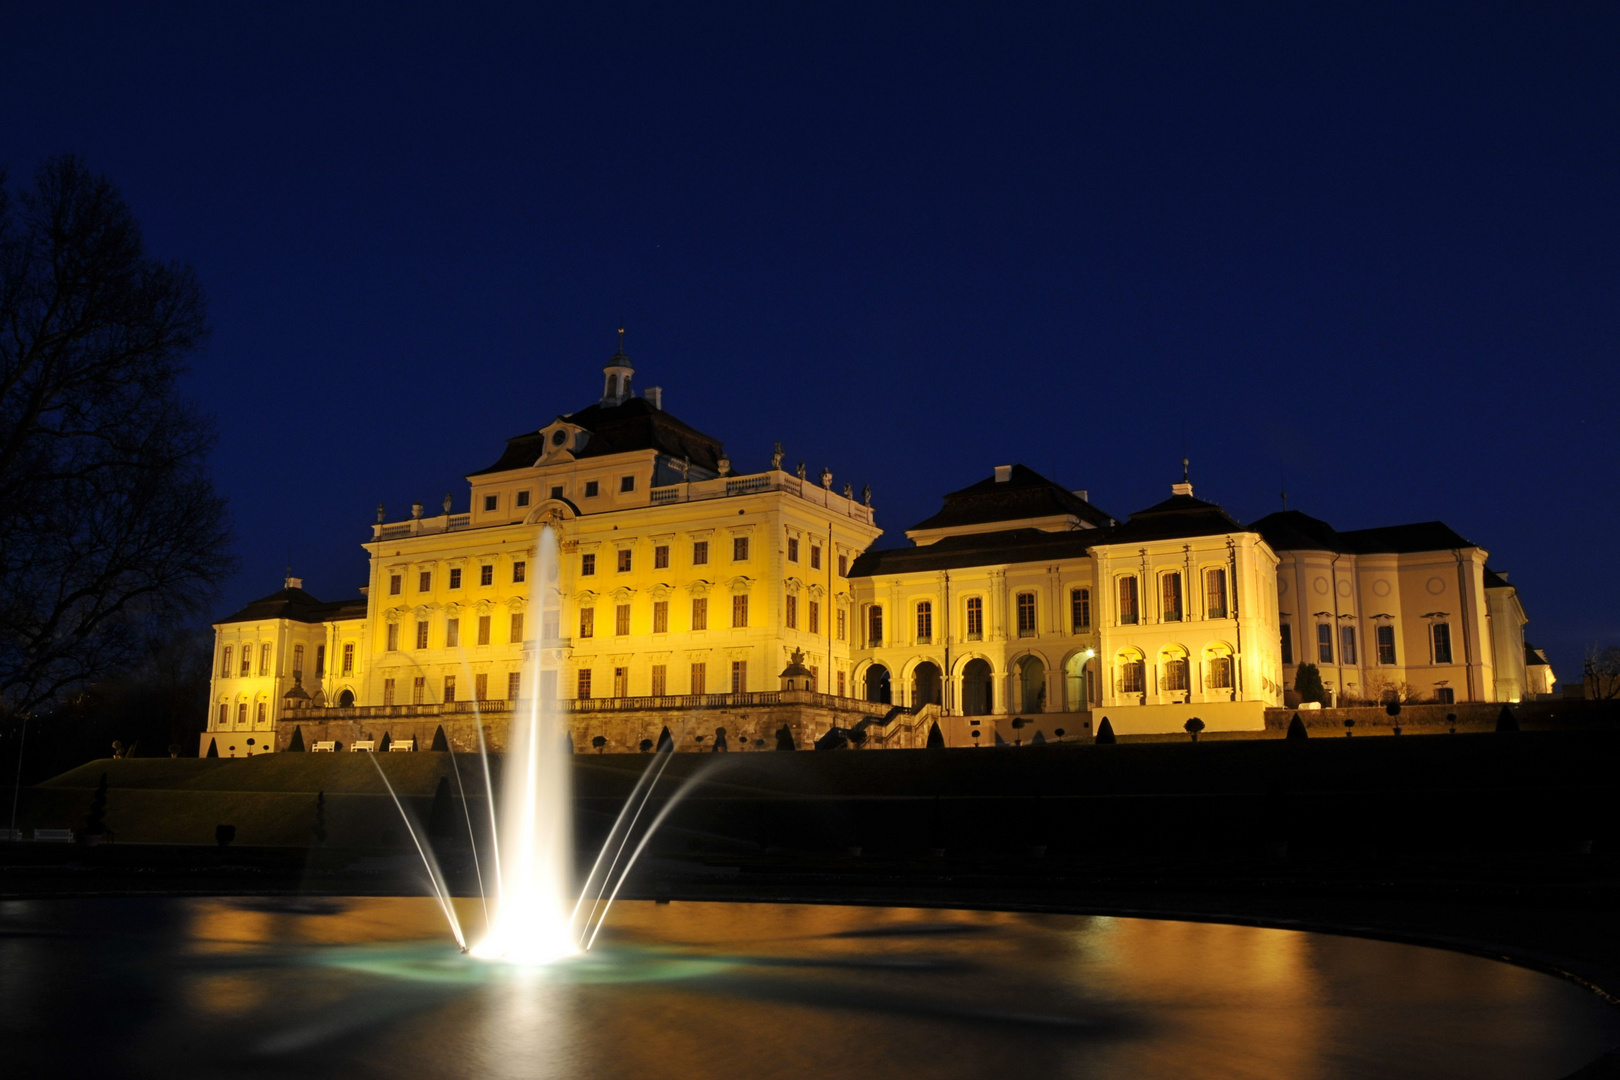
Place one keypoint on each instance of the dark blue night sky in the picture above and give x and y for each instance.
(1369, 254)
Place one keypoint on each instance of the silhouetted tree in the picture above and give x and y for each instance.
(1018, 727)
(440, 744)
(319, 831)
(646, 746)
(784, 738)
(720, 744)
(936, 738)
(1308, 684)
(1349, 723)
(1193, 726)
(1451, 718)
(1600, 673)
(440, 817)
(112, 533)
(665, 739)
(1296, 728)
(382, 747)
(600, 742)
(857, 736)
(1505, 720)
(1059, 732)
(95, 822)
(295, 745)
(213, 748)
(1105, 732)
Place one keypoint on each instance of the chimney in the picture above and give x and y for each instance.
(1082, 494)
(655, 397)
(291, 582)
(1003, 473)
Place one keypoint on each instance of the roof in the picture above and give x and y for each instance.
(978, 549)
(1290, 530)
(1534, 656)
(616, 429)
(299, 606)
(1493, 580)
(1175, 517)
(1025, 494)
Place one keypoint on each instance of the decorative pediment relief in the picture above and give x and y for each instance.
(660, 591)
(739, 584)
(700, 587)
(516, 603)
(622, 594)
(793, 585)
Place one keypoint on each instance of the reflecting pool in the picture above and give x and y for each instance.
(375, 987)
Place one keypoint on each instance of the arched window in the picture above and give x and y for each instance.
(1175, 677)
(1220, 673)
(1132, 674)
(925, 622)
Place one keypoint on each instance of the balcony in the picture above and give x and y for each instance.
(498, 706)
(724, 487)
(422, 526)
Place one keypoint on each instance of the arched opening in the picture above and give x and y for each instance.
(877, 684)
(925, 684)
(976, 697)
(1031, 685)
(1076, 684)
(345, 699)
(1175, 676)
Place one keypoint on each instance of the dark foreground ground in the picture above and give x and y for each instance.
(1503, 845)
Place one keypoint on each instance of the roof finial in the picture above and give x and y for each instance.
(1185, 462)
(621, 341)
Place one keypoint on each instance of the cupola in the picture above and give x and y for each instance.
(616, 377)
(796, 676)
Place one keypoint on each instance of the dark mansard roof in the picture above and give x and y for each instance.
(631, 425)
(298, 605)
(1025, 494)
(1290, 530)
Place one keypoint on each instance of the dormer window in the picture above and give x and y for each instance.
(491, 502)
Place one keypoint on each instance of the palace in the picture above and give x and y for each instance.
(745, 608)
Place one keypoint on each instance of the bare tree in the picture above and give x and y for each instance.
(1601, 669)
(111, 531)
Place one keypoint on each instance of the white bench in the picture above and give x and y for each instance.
(325, 746)
(53, 836)
(363, 746)
(402, 746)
(11, 834)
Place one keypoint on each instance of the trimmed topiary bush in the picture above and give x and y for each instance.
(1506, 721)
(1105, 732)
(1193, 727)
(1296, 728)
(936, 738)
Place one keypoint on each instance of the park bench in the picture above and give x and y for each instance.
(363, 745)
(402, 745)
(324, 746)
(11, 834)
(53, 836)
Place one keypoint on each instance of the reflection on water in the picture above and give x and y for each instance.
(373, 988)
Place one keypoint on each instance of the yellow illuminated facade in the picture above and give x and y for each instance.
(686, 590)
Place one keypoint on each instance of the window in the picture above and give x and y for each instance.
(1220, 673)
(791, 611)
(815, 556)
(395, 584)
(660, 680)
(843, 617)
(523, 498)
(260, 713)
(739, 549)
(700, 679)
(582, 684)
(624, 560)
(975, 618)
(224, 714)
(700, 612)
(591, 489)
(455, 577)
(551, 625)
(520, 571)
(1127, 601)
(587, 564)
(449, 689)
(739, 676)
(514, 685)
(1131, 677)
(874, 626)
(621, 620)
(1215, 593)
(1347, 644)
(587, 622)
(661, 557)
(1170, 587)
(739, 610)
(388, 691)
(1079, 608)
(793, 549)
(264, 659)
(491, 502)
(1442, 643)
(842, 686)
(247, 661)
(452, 633)
(1445, 695)
(621, 682)
(700, 553)
(348, 658)
(627, 483)
(320, 653)
(815, 678)
(241, 715)
(486, 575)
(843, 566)
(660, 617)
(1324, 643)
(815, 617)
(1026, 614)
(298, 660)
(1175, 675)
(424, 581)
(557, 491)
(481, 687)
(1287, 643)
(225, 668)
(1386, 644)
(514, 629)
(483, 629)
(419, 690)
